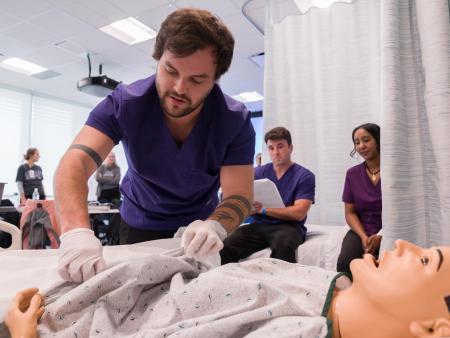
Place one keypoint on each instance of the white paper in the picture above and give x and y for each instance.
(266, 193)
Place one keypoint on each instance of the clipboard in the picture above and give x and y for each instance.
(266, 192)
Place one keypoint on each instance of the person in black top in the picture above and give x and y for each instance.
(108, 178)
(29, 176)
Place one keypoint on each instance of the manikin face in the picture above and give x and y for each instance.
(183, 83)
(408, 284)
(365, 144)
(279, 151)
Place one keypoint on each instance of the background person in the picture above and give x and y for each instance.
(29, 176)
(108, 178)
(258, 160)
(362, 198)
(280, 229)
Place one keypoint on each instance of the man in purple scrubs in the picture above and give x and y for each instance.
(183, 138)
(280, 229)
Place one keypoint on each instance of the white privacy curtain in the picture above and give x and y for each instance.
(322, 79)
(388, 62)
(416, 121)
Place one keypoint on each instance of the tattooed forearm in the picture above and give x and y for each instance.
(235, 208)
(241, 200)
(222, 216)
(232, 211)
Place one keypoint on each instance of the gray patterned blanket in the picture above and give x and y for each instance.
(173, 296)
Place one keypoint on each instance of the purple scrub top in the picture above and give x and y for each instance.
(167, 186)
(366, 197)
(296, 183)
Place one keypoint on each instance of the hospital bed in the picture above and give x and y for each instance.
(37, 268)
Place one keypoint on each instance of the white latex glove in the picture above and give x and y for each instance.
(203, 238)
(80, 255)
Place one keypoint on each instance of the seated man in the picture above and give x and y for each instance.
(280, 229)
(261, 298)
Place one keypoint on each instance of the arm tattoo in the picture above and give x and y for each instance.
(239, 204)
(241, 200)
(235, 208)
(222, 216)
(91, 152)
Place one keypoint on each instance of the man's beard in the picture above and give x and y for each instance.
(180, 113)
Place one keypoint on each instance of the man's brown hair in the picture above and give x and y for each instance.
(278, 133)
(187, 30)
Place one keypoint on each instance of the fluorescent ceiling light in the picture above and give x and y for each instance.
(22, 66)
(248, 97)
(129, 30)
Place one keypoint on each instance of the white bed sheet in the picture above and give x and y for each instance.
(37, 268)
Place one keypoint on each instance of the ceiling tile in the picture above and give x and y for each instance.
(153, 18)
(220, 8)
(31, 34)
(134, 7)
(125, 56)
(52, 56)
(71, 47)
(104, 8)
(76, 10)
(147, 47)
(7, 20)
(241, 26)
(97, 42)
(24, 9)
(12, 47)
(73, 72)
(61, 24)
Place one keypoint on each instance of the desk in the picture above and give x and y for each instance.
(97, 210)
(8, 209)
(91, 210)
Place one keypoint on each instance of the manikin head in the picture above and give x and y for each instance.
(404, 295)
(193, 49)
(279, 146)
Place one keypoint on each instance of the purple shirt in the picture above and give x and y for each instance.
(296, 183)
(167, 186)
(366, 197)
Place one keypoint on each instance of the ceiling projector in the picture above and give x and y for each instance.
(99, 86)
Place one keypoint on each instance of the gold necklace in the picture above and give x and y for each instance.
(373, 174)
